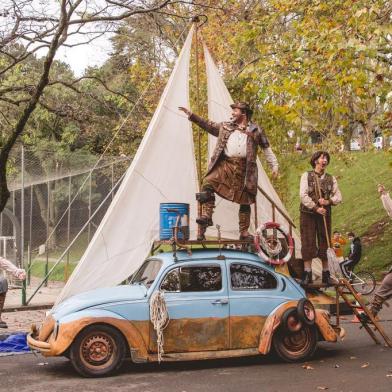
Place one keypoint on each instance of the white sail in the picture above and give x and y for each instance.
(226, 212)
(163, 170)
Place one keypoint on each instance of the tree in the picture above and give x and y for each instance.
(29, 28)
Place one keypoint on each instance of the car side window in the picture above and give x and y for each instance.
(171, 282)
(201, 278)
(250, 277)
(192, 279)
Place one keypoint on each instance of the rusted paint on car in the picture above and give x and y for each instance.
(68, 332)
(322, 321)
(46, 328)
(271, 324)
(198, 334)
(245, 331)
(202, 355)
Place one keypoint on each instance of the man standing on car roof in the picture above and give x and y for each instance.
(232, 172)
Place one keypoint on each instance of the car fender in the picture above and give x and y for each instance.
(271, 324)
(71, 325)
(274, 319)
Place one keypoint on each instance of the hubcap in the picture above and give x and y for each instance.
(296, 343)
(97, 349)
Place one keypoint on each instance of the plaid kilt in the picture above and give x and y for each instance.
(227, 179)
(313, 239)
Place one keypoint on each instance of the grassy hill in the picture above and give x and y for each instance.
(358, 174)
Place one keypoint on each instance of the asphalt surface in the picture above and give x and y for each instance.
(354, 364)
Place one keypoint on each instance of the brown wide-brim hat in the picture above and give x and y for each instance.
(242, 106)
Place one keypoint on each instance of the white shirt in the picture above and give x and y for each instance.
(306, 200)
(236, 145)
(236, 148)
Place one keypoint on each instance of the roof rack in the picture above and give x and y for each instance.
(178, 244)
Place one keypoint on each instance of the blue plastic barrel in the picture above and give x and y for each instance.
(168, 213)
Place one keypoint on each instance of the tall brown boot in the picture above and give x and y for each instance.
(244, 222)
(3, 324)
(205, 220)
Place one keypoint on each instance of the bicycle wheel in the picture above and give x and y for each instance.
(363, 282)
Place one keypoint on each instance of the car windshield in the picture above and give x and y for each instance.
(147, 272)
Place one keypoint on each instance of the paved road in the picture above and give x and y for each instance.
(356, 364)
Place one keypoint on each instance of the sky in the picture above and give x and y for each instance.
(81, 57)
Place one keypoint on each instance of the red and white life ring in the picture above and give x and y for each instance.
(263, 254)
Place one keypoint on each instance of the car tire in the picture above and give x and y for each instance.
(97, 351)
(295, 346)
(306, 311)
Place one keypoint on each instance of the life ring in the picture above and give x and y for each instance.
(263, 254)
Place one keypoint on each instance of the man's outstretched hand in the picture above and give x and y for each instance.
(185, 110)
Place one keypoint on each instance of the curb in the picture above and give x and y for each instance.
(21, 308)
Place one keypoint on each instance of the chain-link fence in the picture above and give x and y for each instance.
(58, 199)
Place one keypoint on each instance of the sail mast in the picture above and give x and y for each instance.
(196, 20)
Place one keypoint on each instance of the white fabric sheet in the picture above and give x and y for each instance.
(162, 171)
(226, 212)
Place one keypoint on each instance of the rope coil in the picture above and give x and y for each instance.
(159, 318)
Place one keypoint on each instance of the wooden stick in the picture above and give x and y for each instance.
(324, 219)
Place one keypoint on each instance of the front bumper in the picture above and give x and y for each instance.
(34, 344)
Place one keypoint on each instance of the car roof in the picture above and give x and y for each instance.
(209, 254)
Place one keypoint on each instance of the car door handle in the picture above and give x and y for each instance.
(220, 302)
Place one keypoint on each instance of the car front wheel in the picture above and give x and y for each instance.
(98, 351)
(295, 346)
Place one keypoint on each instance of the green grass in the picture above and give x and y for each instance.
(38, 270)
(75, 253)
(358, 174)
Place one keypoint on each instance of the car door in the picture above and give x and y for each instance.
(254, 292)
(197, 302)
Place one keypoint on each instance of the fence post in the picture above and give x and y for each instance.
(31, 215)
(22, 226)
(47, 234)
(28, 264)
(66, 269)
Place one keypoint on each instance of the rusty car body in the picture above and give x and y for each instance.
(220, 303)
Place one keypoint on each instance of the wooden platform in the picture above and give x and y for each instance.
(203, 243)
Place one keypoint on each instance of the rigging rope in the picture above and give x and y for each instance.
(159, 318)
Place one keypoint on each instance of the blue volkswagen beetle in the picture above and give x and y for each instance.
(219, 303)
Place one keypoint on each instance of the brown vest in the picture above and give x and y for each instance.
(326, 185)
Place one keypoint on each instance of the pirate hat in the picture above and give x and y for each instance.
(243, 106)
